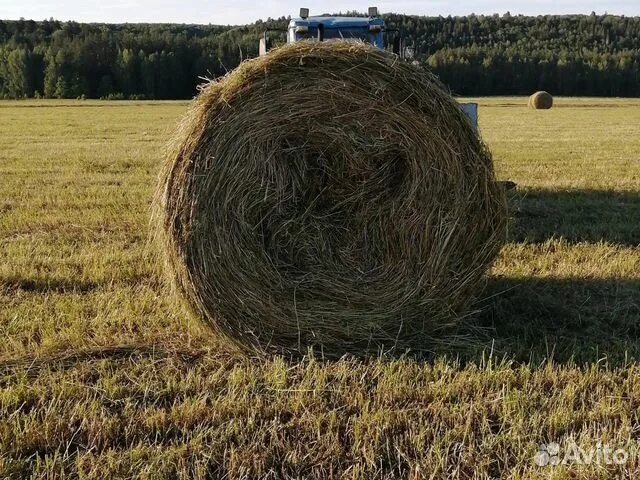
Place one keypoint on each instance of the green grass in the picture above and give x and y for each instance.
(103, 376)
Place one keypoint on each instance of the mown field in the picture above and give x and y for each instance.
(103, 376)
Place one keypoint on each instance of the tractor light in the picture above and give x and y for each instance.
(375, 28)
(302, 29)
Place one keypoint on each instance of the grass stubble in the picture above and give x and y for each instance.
(103, 376)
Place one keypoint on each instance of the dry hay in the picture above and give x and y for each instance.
(541, 101)
(329, 195)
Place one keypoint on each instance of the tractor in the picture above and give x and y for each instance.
(370, 29)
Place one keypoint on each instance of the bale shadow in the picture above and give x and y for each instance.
(564, 320)
(47, 285)
(576, 216)
(567, 320)
(31, 366)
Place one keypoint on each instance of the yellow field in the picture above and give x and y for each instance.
(103, 376)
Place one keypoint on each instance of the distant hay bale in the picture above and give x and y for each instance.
(329, 196)
(541, 101)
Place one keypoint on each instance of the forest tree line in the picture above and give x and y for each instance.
(596, 55)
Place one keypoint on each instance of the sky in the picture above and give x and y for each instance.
(246, 11)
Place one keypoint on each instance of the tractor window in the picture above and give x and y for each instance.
(338, 33)
(346, 33)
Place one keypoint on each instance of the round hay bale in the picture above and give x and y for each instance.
(541, 101)
(329, 196)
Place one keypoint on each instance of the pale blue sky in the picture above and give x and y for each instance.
(245, 11)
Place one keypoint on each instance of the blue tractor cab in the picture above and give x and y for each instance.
(323, 28)
(368, 30)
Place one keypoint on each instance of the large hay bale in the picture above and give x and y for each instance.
(329, 195)
(541, 101)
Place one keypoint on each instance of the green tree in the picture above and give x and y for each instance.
(105, 87)
(15, 70)
(62, 89)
